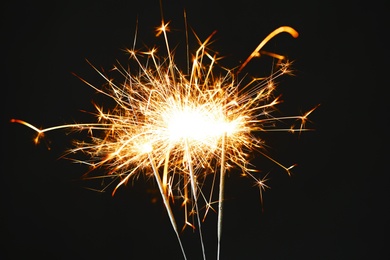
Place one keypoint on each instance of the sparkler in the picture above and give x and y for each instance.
(182, 127)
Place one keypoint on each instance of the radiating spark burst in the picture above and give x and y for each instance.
(181, 127)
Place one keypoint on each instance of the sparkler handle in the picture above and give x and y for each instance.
(221, 196)
(166, 203)
(194, 193)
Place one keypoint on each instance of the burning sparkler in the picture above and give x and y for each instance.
(181, 127)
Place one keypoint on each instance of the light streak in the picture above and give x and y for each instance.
(182, 126)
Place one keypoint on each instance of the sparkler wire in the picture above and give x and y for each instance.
(221, 195)
(194, 194)
(166, 203)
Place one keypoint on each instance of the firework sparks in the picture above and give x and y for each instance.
(181, 127)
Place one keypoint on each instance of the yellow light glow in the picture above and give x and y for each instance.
(181, 127)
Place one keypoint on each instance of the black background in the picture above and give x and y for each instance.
(333, 207)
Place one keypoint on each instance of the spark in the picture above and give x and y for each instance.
(261, 183)
(180, 127)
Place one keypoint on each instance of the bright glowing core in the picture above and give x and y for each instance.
(197, 124)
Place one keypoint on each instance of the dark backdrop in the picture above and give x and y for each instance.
(333, 207)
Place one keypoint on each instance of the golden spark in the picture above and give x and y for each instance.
(180, 127)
